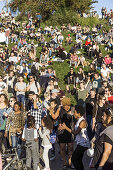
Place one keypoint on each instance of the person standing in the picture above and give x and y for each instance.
(39, 17)
(81, 137)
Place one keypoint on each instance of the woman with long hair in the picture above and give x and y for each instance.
(15, 124)
(97, 115)
(3, 117)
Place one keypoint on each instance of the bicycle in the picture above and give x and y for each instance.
(15, 162)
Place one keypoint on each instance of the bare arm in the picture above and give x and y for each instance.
(55, 116)
(107, 152)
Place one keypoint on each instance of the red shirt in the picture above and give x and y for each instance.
(87, 43)
(110, 99)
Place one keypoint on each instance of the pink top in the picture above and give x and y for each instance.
(107, 60)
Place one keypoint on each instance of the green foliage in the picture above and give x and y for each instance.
(47, 7)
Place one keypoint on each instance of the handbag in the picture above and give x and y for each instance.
(52, 138)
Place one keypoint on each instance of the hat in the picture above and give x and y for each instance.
(54, 91)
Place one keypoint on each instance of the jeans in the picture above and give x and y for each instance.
(46, 157)
(16, 142)
(21, 98)
(32, 153)
(77, 157)
(89, 128)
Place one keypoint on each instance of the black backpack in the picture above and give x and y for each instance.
(33, 69)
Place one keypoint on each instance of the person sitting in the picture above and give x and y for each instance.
(74, 60)
(68, 39)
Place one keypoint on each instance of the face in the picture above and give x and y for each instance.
(92, 93)
(103, 100)
(52, 104)
(31, 78)
(66, 108)
(104, 117)
(76, 115)
(81, 85)
(16, 107)
(12, 101)
(30, 96)
(21, 79)
(2, 99)
(11, 74)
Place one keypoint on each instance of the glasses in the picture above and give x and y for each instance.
(11, 101)
(30, 78)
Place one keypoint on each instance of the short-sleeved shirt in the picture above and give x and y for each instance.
(20, 87)
(33, 87)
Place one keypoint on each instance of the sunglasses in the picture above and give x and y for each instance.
(11, 101)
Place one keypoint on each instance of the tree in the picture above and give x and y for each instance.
(46, 7)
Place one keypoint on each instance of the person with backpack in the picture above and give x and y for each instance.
(33, 85)
(30, 135)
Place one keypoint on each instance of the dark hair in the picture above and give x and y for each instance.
(19, 104)
(30, 121)
(80, 109)
(48, 122)
(54, 101)
(32, 92)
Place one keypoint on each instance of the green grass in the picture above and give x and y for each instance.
(63, 68)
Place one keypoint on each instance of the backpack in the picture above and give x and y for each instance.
(33, 69)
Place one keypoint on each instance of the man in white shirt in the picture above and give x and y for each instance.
(105, 72)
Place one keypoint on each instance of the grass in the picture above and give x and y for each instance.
(63, 68)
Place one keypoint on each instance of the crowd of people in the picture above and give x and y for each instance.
(33, 108)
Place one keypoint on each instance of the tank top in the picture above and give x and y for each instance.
(82, 137)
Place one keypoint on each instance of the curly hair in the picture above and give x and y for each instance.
(66, 101)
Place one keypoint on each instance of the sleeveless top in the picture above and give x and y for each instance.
(82, 137)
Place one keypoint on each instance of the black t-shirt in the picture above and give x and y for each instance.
(99, 61)
(89, 105)
(80, 76)
(99, 114)
(99, 149)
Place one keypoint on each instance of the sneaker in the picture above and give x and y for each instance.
(64, 167)
(52, 157)
(38, 168)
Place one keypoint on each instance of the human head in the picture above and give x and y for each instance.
(66, 103)
(30, 121)
(3, 99)
(12, 100)
(17, 106)
(79, 111)
(53, 103)
(107, 118)
(47, 122)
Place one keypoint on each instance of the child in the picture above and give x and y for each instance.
(45, 135)
(30, 136)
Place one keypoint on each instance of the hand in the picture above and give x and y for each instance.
(5, 114)
(5, 134)
(34, 97)
(64, 126)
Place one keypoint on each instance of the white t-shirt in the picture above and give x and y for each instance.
(105, 71)
(20, 87)
(33, 87)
